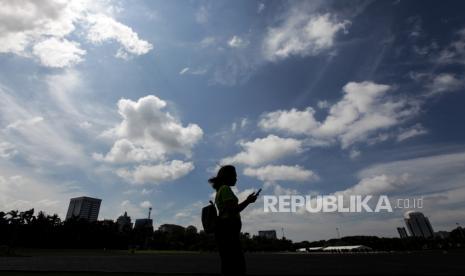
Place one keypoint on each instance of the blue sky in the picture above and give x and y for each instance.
(137, 103)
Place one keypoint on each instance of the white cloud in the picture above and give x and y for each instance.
(42, 29)
(85, 125)
(445, 83)
(244, 122)
(144, 139)
(148, 133)
(207, 41)
(293, 121)
(437, 84)
(323, 104)
(271, 173)
(193, 71)
(58, 53)
(146, 191)
(411, 132)
(23, 22)
(354, 154)
(155, 174)
(105, 28)
(302, 34)
(263, 150)
(133, 210)
(417, 177)
(239, 125)
(376, 185)
(184, 70)
(25, 124)
(124, 151)
(62, 87)
(201, 16)
(145, 204)
(455, 52)
(237, 42)
(260, 7)
(7, 150)
(363, 110)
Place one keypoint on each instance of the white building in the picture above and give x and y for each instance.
(346, 248)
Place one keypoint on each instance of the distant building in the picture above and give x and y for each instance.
(338, 249)
(268, 234)
(402, 232)
(144, 224)
(84, 208)
(442, 234)
(191, 229)
(310, 249)
(348, 248)
(171, 228)
(106, 222)
(124, 223)
(418, 225)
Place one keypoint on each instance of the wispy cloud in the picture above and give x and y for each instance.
(302, 34)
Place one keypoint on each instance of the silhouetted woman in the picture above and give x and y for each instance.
(229, 221)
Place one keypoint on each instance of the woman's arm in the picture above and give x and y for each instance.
(232, 207)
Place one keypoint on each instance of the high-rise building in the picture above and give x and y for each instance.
(418, 225)
(124, 223)
(145, 224)
(171, 229)
(84, 208)
(402, 232)
(269, 234)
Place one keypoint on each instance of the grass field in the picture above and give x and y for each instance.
(102, 262)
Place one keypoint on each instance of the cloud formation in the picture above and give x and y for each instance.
(264, 150)
(418, 176)
(363, 110)
(156, 174)
(53, 52)
(43, 29)
(411, 132)
(145, 138)
(104, 28)
(237, 42)
(272, 173)
(149, 133)
(445, 82)
(455, 51)
(293, 121)
(302, 34)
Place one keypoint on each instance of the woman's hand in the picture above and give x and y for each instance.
(251, 198)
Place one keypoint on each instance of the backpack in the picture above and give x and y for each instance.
(209, 218)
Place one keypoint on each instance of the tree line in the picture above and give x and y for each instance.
(26, 230)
